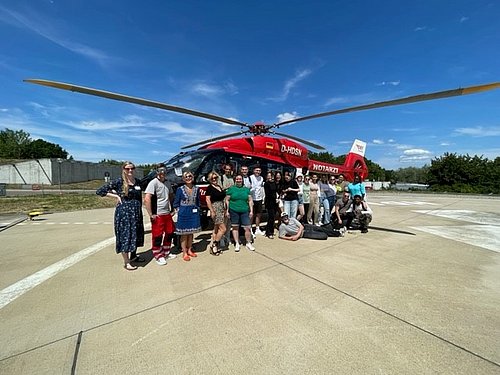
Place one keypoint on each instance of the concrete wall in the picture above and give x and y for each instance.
(51, 172)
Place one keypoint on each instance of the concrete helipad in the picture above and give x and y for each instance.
(419, 294)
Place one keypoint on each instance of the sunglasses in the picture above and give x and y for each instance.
(189, 176)
(129, 169)
(215, 177)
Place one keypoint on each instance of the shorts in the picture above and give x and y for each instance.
(257, 207)
(301, 200)
(239, 218)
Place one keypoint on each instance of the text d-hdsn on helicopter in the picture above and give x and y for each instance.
(259, 148)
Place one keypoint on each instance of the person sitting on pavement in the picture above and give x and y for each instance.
(157, 200)
(291, 229)
(341, 218)
(361, 212)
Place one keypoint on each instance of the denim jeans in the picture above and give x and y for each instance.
(326, 213)
(291, 207)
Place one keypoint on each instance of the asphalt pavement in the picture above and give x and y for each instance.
(418, 294)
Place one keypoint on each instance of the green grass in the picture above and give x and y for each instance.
(54, 203)
(57, 202)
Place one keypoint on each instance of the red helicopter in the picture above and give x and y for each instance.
(259, 148)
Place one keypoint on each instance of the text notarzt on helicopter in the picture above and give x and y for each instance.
(324, 168)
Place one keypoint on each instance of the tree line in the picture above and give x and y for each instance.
(450, 172)
(18, 144)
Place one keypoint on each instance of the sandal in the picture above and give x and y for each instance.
(191, 254)
(129, 267)
(215, 252)
(186, 258)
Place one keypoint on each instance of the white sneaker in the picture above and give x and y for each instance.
(253, 235)
(171, 256)
(258, 231)
(250, 247)
(161, 261)
(237, 247)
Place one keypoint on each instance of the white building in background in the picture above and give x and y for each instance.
(56, 171)
(377, 185)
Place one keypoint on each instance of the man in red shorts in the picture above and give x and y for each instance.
(158, 204)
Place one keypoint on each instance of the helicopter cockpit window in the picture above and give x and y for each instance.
(186, 161)
(213, 162)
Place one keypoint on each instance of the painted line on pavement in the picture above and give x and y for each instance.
(485, 236)
(17, 289)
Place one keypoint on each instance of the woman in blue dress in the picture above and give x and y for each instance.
(187, 205)
(129, 226)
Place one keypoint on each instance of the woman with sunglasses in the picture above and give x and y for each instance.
(187, 205)
(128, 222)
(215, 197)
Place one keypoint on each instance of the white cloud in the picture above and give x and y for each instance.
(479, 131)
(291, 83)
(414, 155)
(286, 116)
(416, 151)
(378, 141)
(420, 28)
(43, 27)
(339, 100)
(205, 89)
(445, 144)
(464, 19)
(390, 83)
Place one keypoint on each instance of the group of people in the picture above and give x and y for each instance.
(306, 208)
(160, 203)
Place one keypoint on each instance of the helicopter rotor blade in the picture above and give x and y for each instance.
(212, 139)
(131, 99)
(301, 140)
(407, 100)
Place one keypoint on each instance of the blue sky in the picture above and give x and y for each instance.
(253, 61)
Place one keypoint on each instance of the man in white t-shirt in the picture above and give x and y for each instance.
(246, 178)
(257, 190)
(158, 204)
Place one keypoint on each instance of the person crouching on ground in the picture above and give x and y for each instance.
(362, 212)
(341, 216)
(291, 229)
(157, 201)
(239, 209)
